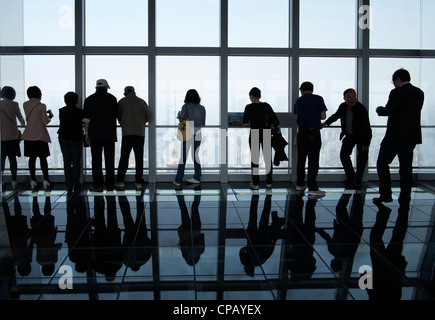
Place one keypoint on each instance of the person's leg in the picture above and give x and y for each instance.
(196, 161)
(109, 160)
(138, 148)
(65, 148)
(97, 164)
(302, 159)
(266, 147)
(385, 157)
(362, 157)
(126, 146)
(347, 146)
(182, 163)
(406, 156)
(32, 168)
(254, 146)
(14, 167)
(314, 146)
(76, 155)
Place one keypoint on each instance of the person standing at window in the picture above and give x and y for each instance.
(10, 142)
(310, 109)
(403, 110)
(36, 137)
(260, 117)
(133, 115)
(71, 140)
(195, 112)
(355, 130)
(100, 112)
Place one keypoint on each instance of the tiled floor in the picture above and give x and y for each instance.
(216, 242)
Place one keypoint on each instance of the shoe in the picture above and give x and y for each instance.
(253, 186)
(34, 185)
(47, 185)
(175, 183)
(139, 185)
(317, 192)
(14, 185)
(383, 199)
(268, 185)
(119, 184)
(301, 188)
(193, 181)
(93, 189)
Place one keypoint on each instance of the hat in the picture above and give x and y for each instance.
(129, 89)
(102, 83)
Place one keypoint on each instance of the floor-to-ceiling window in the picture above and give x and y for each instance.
(222, 49)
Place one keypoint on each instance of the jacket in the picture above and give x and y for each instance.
(9, 114)
(361, 128)
(37, 121)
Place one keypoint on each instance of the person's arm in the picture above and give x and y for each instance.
(87, 139)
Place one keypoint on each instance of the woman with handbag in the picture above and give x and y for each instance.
(194, 112)
(11, 136)
(71, 140)
(36, 136)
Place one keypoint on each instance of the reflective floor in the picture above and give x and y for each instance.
(216, 242)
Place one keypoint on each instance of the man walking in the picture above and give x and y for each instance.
(310, 110)
(355, 130)
(100, 112)
(403, 110)
(133, 114)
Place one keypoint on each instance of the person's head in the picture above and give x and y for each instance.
(71, 99)
(255, 94)
(306, 87)
(102, 84)
(192, 96)
(128, 90)
(8, 93)
(350, 97)
(401, 76)
(34, 92)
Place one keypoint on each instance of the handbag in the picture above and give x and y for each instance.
(184, 131)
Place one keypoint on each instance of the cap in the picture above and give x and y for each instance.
(129, 89)
(102, 83)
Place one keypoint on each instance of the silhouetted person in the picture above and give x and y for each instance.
(403, 110)
(388, 263)
(300, 235)
(355, 131)
(261, 239)
(100, 114)
(10, 135)
(191, 239)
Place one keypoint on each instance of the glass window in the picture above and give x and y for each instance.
(117, 23)
(54, 75)
(381, 72)
(176, 75)
(330, 76)
(328, 24)
(119, 71)
(188, 23)
(269, 74)
(396, 24)
(11, 23)
(427, 24)
(48, 22)
(258, 23)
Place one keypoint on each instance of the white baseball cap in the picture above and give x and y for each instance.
(102, 83)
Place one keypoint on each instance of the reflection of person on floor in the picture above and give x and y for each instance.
(261, 240)
(107, 256)
(388, 262)
(19, 236)
(348, 228)
(138, 246)
(77, 233)
(191, 239)
(300, 238)
(44, 234)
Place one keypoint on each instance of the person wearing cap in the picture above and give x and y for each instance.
(100, 111)
(133, 114)
(10, 135)
(310, 109)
